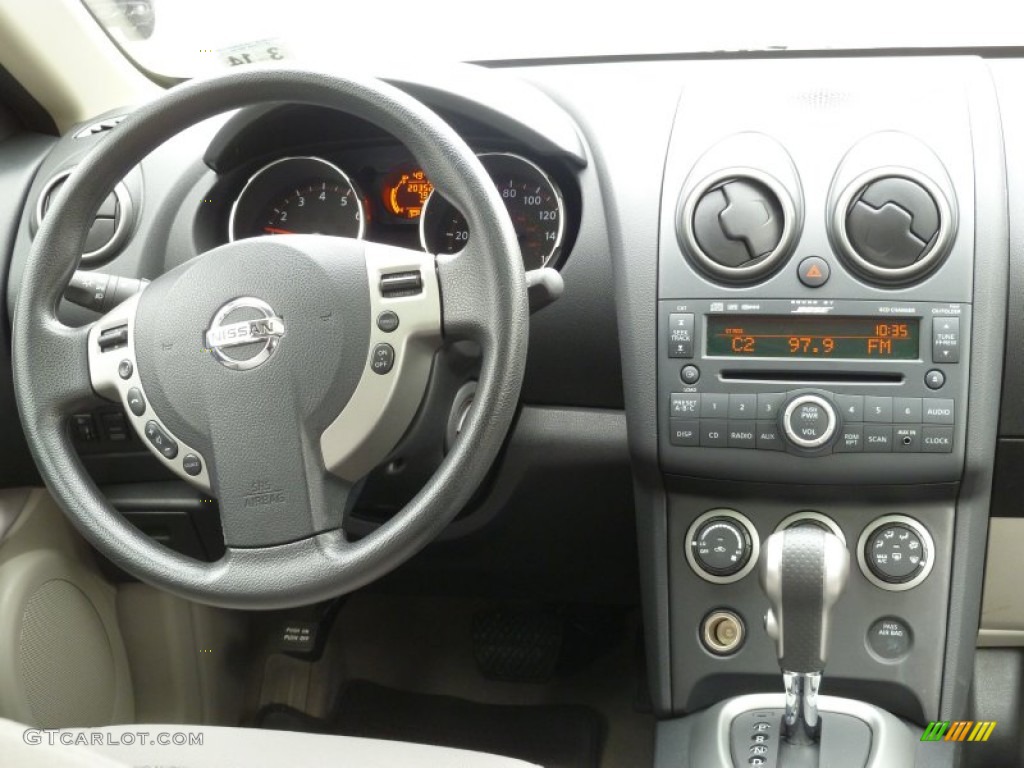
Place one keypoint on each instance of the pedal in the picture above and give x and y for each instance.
(521, 647)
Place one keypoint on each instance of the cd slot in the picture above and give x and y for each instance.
(812, 377)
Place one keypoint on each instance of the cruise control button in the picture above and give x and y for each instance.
(383, 358)
(683, 432)
(136, 402)
(714, 433)
(741, 434)
(938, 440)
(681, 406)
(769, 438)
(387, 321)
(851, 439)
(877, 439)
(191, 464)
(161, 440)
(938, 411)
(714, 406)
(742, 406)
(878, 410)
(906, 439)
(125, 369)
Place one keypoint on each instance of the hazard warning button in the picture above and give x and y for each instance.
(813, 271)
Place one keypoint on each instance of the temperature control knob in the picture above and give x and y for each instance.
(809, 421)
(721, 546)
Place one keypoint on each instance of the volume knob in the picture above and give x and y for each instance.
(809, 421)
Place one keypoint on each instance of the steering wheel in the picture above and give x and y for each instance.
(267, 371)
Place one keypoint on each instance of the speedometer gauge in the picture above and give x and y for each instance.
(531, 198)
(298, 195)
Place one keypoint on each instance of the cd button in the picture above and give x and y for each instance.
(851, 407)
(741, 434)
(714, 406)
(878, 410)
(742, 406)
(851, 439)
(877, 439)
(714, 433)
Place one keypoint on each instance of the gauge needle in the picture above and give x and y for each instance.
(276, 231)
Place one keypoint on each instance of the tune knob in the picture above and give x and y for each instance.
(809, 421)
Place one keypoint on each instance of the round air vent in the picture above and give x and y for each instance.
(110, 229)
(893, 226)
(738, 225)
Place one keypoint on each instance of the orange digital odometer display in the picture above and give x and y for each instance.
(847, 338)
(405, 191)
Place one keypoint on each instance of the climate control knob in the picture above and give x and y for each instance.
(809, 421)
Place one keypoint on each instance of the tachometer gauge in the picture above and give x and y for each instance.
(531, 198)
(298, 195)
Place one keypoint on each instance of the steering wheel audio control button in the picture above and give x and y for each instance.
(383, 358)
(136, 402)
(192, 464)
(809, 421)
(387, 321)
(161, 440)
(125, 369)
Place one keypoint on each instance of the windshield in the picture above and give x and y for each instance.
(183, 38)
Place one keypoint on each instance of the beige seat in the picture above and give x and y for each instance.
(21, 747)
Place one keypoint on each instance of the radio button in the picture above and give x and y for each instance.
(946, 340)
(714, 406)
(851, 407)
(878, 410)
(906, 439)
(877, 439)
(741, 434)
(683, 432)
(769, 438)
(809, 421)
(684, 406)
(851, 439)
(714, 433)
(680, 334)
(906, 410)
(938, 411)
(742, 406)
(938, 440)
(769, 404)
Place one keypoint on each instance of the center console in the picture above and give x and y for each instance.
(827, 352)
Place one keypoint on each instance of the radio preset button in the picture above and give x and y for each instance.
(680, 334)
(809, 421)
(769, 404)
(851, 439)
(684, 406)
(768, 436)
(877, 439)
(878, 410)
(938, 411)
(851, 407)
(906, 410)
(714, 433)
(714, 406)
(683, 432)
(742, 406)
(742, 434)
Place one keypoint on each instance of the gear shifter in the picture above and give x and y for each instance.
(803, 572)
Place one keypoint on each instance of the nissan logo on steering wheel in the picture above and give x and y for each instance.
(247, 326)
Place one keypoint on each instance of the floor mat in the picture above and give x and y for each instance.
(551, 736)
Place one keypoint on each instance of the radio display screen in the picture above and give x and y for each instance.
(817, 337)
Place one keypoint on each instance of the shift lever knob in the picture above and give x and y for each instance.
(803, 572)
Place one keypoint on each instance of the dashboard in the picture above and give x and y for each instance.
(792, 295)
